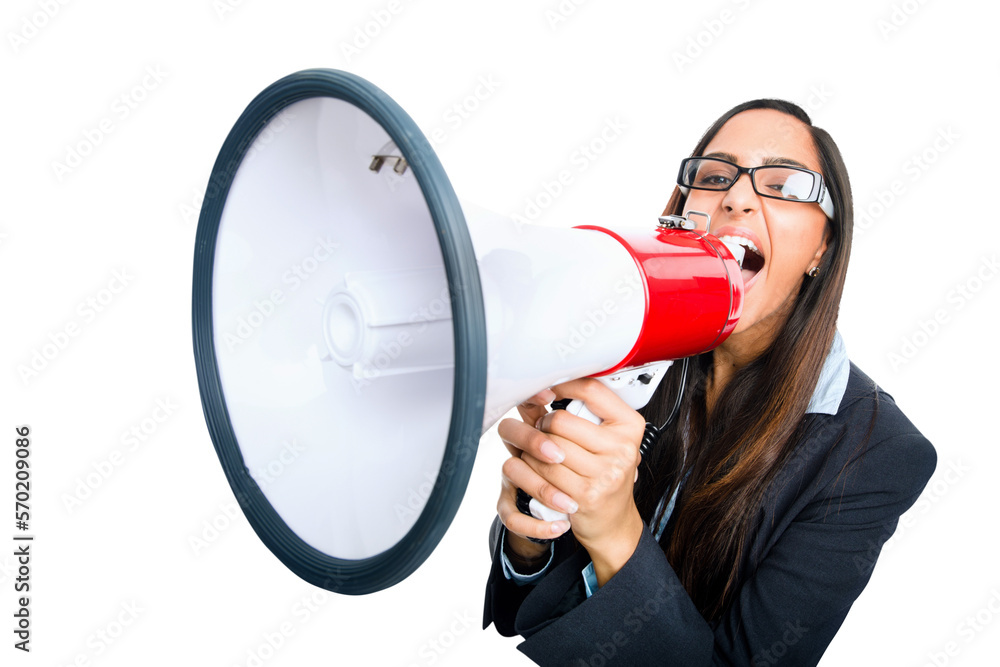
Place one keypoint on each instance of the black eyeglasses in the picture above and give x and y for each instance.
(774, 181)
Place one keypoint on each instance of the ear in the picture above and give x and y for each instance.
(821, 250)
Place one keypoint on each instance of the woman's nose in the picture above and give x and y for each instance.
(741, 198)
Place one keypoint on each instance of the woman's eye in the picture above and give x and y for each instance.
(713, 180)
(785, 184)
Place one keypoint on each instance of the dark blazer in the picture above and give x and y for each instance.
(831, 508)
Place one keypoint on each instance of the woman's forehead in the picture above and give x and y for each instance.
(765, 136)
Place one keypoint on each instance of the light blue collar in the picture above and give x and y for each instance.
(832, 383)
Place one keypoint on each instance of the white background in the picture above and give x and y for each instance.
(128, 552)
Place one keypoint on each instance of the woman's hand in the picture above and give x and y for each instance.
(516, 474)
(585, 469)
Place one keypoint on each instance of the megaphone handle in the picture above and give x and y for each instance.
(529, 505)
(580, 409)
(636, 387)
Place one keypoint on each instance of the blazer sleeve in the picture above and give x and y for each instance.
(793, 605)
(789, 608)
(503, 596)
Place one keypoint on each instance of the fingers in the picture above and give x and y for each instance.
(521, 475)
(570, 464)
(517, 474)
(519, 437)
(590, 448)
(528, 526)
(599, 399)
(563, 438)
(531, 411)
(535, 408)
(587, 491)
(618, 418)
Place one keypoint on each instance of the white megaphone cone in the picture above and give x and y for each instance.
(356, 329)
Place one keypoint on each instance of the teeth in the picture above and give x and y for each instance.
(741, 240)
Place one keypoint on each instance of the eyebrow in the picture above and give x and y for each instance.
(767, 161)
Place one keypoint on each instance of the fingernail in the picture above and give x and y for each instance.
(538, 424)
(565, 503)
(559, 527)
(552, 453)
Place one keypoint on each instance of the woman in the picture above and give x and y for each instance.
(755, 520)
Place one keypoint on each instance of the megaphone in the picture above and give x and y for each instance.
(356, 329)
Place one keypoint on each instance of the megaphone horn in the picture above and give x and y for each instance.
(345, 300)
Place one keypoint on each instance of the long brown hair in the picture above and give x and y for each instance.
(727, 463)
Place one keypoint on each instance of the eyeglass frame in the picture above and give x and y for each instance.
(820, 194)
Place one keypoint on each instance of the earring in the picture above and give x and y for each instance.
(813, 272)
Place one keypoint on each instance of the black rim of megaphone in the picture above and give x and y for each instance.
(354, 577)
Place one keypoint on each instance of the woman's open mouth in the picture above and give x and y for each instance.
(753, 259)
